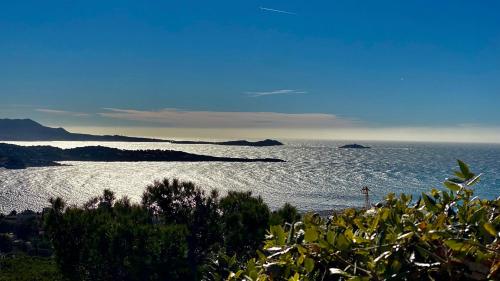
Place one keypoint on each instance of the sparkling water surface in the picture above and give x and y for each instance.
(317, 175)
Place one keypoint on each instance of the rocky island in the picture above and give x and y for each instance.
(267, 142)
(29, 130)
(20, 157)
(354, 145)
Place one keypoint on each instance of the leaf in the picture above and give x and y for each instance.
(404, 236)
(452, 186)
(341, 242)
(474, 180)
(330, 237)
(490, 229)
(460, 175)
(294, 277)
(456, 180)
(375, 221)
(309, 264)
(454, 244)
(300, 260)
(465, 170)
(311, 235)
(430, 203)
(278, 234)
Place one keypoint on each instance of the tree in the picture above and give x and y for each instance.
(175, 202)
(115, 241)
(245, 221)
(286, 214)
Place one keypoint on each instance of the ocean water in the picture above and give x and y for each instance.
(316, 175)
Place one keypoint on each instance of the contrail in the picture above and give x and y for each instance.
(276, 11)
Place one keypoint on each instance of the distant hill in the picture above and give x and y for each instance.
(29, 130)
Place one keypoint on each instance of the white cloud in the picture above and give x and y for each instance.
(275, 92)
(62, 112)
(277, 11)
(213, 119)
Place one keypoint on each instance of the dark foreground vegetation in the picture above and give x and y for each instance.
(179, 232)
(20, 157)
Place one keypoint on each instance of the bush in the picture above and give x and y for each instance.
(25, 268)
(444, 235)
(5, 243)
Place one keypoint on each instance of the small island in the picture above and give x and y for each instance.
(267, 142)
(20, 157)
(354, 145)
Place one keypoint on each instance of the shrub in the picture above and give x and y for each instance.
(5, 243)
(444, 235)
(25, 268)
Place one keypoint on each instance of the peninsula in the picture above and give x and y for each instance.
(20, 157)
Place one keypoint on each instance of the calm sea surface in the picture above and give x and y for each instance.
(316, 176)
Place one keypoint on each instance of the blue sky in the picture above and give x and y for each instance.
(269, 64)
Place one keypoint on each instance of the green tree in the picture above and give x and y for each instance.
(245, 221)
(176, 202)
(108, 240)
(287, 214)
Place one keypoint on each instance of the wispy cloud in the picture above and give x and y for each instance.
(216, 119)
(62, 112)
(277, 11)
(275, 92)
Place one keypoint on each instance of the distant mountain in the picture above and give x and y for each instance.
(29, 130)
(20, 157)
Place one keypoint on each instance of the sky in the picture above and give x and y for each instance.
(383, 70)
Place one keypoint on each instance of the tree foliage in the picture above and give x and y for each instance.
(178, 232)
(183, 203)
(245, 220)
(109, 240)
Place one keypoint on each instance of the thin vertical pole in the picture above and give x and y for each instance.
(365, 190)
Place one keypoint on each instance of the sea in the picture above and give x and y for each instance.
(316, 176)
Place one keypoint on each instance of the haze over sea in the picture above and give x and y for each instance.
(316, 176)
